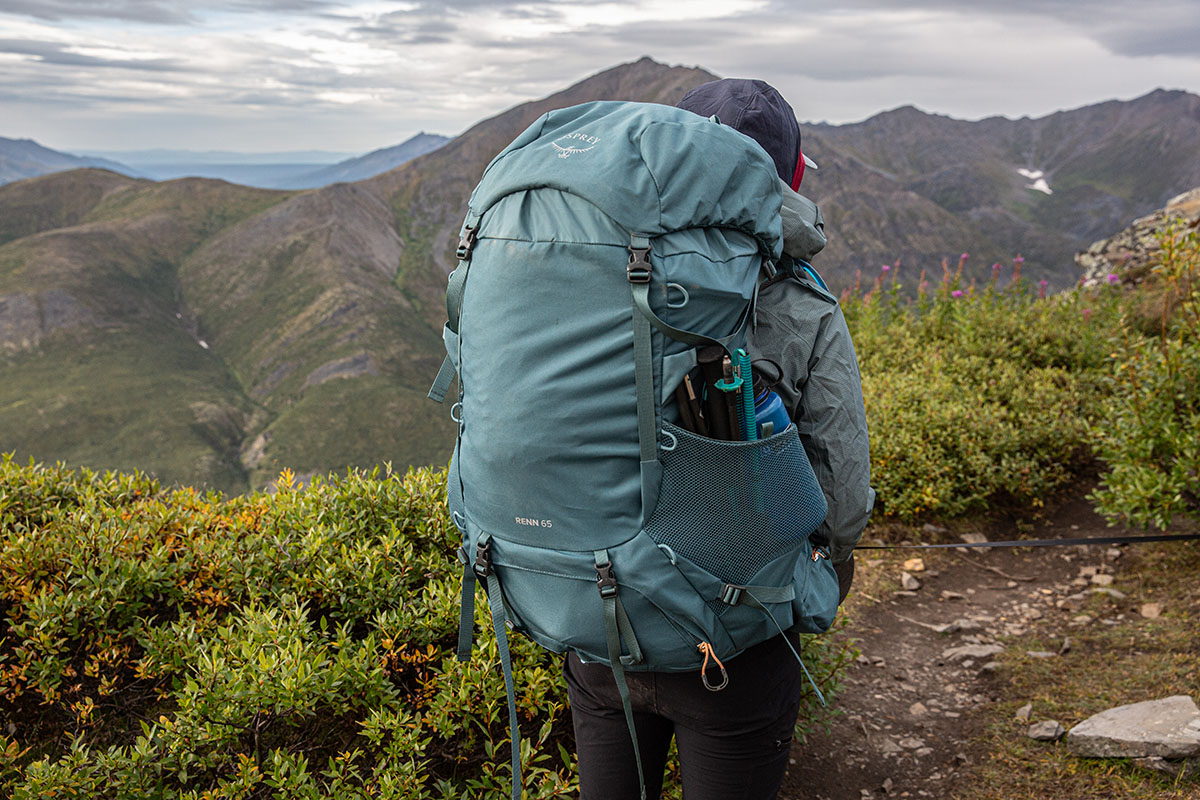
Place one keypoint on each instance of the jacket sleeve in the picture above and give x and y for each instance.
(802, 328)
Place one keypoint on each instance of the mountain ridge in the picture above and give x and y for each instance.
(265, 329)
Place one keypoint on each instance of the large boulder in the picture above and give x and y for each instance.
(1168, 728)
(1132, 253)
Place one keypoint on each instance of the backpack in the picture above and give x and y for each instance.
(602, 249)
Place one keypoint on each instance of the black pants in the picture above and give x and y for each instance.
(732, 744)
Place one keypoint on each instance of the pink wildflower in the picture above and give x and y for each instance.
(956, 293)
(885, 267)
(1112, 279)
(1087, 315)
(964, 256)
(1042, 284)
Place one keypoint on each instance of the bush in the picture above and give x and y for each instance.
(176, 645)
(1149, 435)
(978, 399)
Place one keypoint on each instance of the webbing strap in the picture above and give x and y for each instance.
(499, 617)
(612, 634)
(441, 384)
(755, 596)
(755, 602)
(643, 371)
(641, 300)
(454, 294)
(466, 615)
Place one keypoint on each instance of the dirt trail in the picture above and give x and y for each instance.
(908, 709)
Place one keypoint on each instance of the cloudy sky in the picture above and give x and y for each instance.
(262, 75)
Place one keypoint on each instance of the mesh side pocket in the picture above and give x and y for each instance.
(731, 508)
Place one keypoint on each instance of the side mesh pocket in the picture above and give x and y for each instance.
(733, 508)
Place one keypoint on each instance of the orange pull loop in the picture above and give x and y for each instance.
(707, 649)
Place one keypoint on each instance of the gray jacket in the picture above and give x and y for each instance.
(799, 325)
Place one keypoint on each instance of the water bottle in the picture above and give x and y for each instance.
(769, 411)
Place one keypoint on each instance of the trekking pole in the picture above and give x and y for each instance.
(749, 422)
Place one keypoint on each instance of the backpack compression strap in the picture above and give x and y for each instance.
(482, 570)
(455, 285)
(616, 628)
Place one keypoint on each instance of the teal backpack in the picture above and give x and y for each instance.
(601, 250)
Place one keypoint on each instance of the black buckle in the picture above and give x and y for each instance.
(732, 595)
(638, 270)
(606, 581)
(466, 243)
(483, 560)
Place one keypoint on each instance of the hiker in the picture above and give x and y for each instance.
(735, 742)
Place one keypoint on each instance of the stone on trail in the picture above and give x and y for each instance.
(928, 528)
(918, 709)
(1024, 713)
(972, 651)
(1151, 610)
(914, 565)
(1102, 580)
(909, 582)
(1046, 731)
(1168, 728)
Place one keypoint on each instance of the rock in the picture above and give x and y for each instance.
(1072, 602)
(1065, 647)
(1035, 613)
(1046, 731)
(888, 747)
(1112, 554)
(911, 743)
(1082, 619)
(864, 793)
(1102, 580)
(975, 538)
(914, 565)
(948, 595)
(1115, 594)
(1133, 253)
(933, 529)
(990, 668)
(1088, 572)
(918, 709)
(922, 752)
(1024, 713)
(972, 651)
(909, 582)
(1040, 654)
(1151, 610)
(887, 785)
(1169, 728)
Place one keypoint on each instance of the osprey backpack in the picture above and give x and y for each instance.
(604, 250)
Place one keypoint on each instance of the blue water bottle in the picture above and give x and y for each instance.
(769, 411)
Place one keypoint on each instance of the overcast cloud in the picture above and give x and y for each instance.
(309, 74)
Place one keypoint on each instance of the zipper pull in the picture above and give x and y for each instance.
(819, 553)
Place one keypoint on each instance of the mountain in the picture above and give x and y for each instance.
(216, 333)
(25, 158)
(922, 187)
(368, 166)
(296, 170)
(162, 155)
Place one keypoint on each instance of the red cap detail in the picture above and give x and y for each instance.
(799, 175)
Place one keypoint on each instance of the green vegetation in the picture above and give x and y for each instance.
(979, 399)
(168, 644)
(1149, 437)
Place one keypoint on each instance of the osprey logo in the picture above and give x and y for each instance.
(570, 148)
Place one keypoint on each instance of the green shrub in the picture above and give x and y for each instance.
(1149, 437)
(978, 399)
(176, 645)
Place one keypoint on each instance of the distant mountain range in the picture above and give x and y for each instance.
(215, 333)
(299, 170)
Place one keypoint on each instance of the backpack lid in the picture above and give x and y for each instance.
(651, 168)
